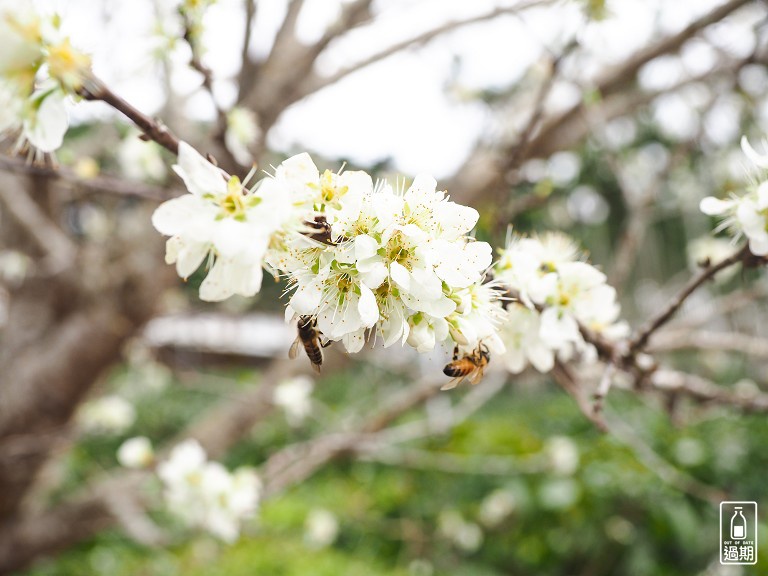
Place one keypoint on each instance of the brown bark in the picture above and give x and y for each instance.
(64, 328)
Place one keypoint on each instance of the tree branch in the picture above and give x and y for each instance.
(702, 390)
(99, 184)
(154, 130)
(640, 339)
(51, 240)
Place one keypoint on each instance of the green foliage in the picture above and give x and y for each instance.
(612, 515)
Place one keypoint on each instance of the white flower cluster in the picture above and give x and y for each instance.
(359, 258)
(38, 69)
(397, 263)
(745, 215)
(556, 293)
(205, 495)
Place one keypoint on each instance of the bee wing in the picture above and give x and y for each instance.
(294, 350)
(477, 376)
(452, 384)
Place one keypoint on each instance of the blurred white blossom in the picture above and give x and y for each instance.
(242, 132)
(321, 528)
(745, 215)
(563, 455)
(205, 495)
(109, 414)
(39, 68)
(708, 250)
(466, 536)
(294, 396)
(497, 507)
(136, 452)
(140, 160)
(559, 494)
(14, 266)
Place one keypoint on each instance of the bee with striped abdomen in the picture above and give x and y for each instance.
(309, 337)
(471, 365)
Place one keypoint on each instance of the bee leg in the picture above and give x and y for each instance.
(456, 352)
(326, 343)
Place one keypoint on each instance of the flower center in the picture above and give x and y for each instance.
(234, 203)
(68, 65)
(329, 191)
(399, 250)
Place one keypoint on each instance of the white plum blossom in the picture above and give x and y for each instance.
(46, 120)
(205, 495)
(39, 120)
(557, 296)
(39, 69)
(222, 221)
(136, 453)
(745, 215)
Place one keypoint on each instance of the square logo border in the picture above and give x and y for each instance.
(720, 553)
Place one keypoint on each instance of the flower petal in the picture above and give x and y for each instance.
(400, 275)
(216, 286)
(367, 307)
(46, 130)
(759, 160)
(174, 216)
(712, 206)
(200, 176)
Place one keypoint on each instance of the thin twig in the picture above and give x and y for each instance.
(698, 388)
(247, 67)
(565, 378)
(197, 64)
(604, 387)
(95, 89)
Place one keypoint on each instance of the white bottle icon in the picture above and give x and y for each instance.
(738, 525)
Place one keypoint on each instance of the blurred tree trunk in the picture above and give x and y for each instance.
(66, 323)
